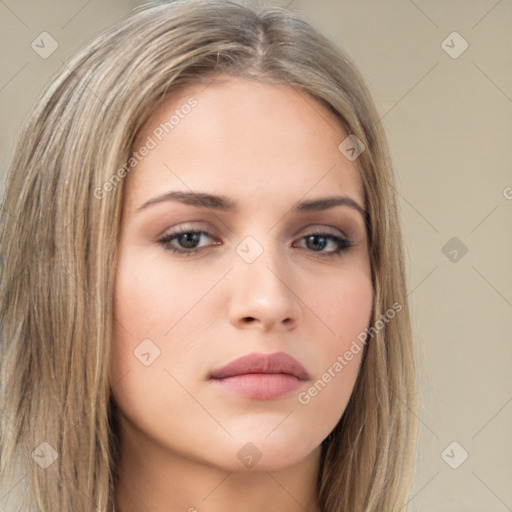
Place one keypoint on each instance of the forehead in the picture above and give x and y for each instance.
(243, 138)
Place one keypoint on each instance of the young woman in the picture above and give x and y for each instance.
(203, 301)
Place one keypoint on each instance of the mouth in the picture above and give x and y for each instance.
(261, 376)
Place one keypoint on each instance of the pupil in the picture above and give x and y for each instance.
(189, 240)
(316, 238)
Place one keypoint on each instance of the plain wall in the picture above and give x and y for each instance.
(449, 126)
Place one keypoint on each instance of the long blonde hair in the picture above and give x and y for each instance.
(59, 236)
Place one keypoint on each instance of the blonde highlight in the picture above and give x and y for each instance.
(58, 244)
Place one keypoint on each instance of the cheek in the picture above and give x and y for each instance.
(154, 304)
(139, 300)
(341, 305)
(145, 309)
(151, 298)
(343, 310)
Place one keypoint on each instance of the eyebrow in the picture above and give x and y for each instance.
(226, 204)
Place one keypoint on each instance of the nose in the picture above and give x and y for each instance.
(262, 295)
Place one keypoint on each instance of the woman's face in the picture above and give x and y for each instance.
(231, 178)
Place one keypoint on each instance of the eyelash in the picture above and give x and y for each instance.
(344, 244)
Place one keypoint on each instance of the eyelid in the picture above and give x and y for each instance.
(185, 228)
(323, 228)
(209, 230)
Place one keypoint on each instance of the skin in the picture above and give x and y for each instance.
(267, 147)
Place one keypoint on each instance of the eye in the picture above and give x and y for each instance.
(186, 241)
(317, 242)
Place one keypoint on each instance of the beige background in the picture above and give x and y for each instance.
(449, 123)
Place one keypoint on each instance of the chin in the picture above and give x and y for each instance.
(264, 454)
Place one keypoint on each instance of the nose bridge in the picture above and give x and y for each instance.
(261, 265)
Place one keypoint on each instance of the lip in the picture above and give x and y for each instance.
(261, 376)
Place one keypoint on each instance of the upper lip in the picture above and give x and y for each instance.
(278, 362)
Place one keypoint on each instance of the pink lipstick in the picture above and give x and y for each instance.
(261, 376)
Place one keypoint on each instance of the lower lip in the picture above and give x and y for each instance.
(261, 386)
